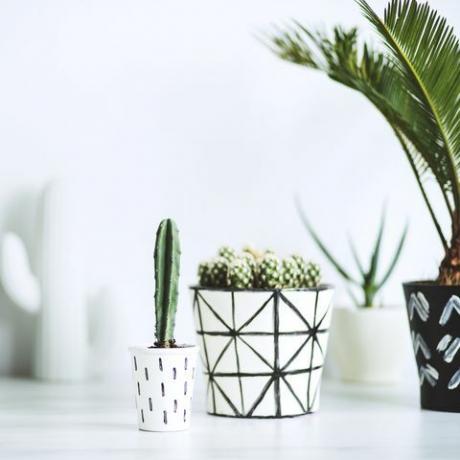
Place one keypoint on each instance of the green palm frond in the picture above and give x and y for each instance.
(425, 52)
(415, 85)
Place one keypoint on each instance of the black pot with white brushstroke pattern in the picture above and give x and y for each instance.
(434, 319)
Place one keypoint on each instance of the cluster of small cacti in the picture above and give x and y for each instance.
(254, 269)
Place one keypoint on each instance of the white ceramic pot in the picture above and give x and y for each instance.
(163, 384)
(263, 350)
(368, 344)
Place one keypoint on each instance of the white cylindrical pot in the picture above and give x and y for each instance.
(263, 350)
(368, 344)
(163, 384)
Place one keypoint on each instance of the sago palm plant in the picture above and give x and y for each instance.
(415, 84)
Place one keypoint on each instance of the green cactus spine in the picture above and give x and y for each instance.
(269, 272)
(204, 274)
(250, 260)
(167, 262)
(302, 266)
(290, 273)
(312, 275)
(240, 274)
(227, 253)
(219, 272)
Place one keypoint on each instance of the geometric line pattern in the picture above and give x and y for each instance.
(252, 368)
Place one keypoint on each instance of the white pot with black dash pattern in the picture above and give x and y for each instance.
(163, 383)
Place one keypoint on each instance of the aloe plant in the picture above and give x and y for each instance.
(167, 262)
(414, 83)
(368, 282)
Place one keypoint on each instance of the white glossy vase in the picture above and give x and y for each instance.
(368, 344)
(263, 350)
(163, 384)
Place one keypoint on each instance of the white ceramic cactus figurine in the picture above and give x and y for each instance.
(47, 281)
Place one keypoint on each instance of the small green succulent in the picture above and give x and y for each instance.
(255, 269)
(269, 272)
(302, 266)
(227, 253)
(240, 274)
(251, 261)
(290, 273)
(204, 274)
(312, 276)
(219, 272)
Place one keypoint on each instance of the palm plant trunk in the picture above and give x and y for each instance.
(449, 270)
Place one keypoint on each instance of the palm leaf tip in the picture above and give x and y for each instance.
(426, 55)
(293, 44)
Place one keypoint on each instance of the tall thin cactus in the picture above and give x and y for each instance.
(167, 262)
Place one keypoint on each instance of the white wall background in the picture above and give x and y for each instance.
(172, 108)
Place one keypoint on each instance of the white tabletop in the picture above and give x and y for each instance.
(98, 421)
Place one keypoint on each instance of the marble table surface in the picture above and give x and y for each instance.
(98, 421)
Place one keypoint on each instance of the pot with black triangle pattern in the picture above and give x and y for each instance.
(434, 319)
(262, 325)
(262, 349)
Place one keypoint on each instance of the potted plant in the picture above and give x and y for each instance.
(415, 84)
(164, 372)
(366, 340)
(263, 326)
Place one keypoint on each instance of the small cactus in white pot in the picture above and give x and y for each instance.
(164, 372)
(262, 324)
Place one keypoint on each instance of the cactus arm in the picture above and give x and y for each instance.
(20, 284)
(167, 263)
